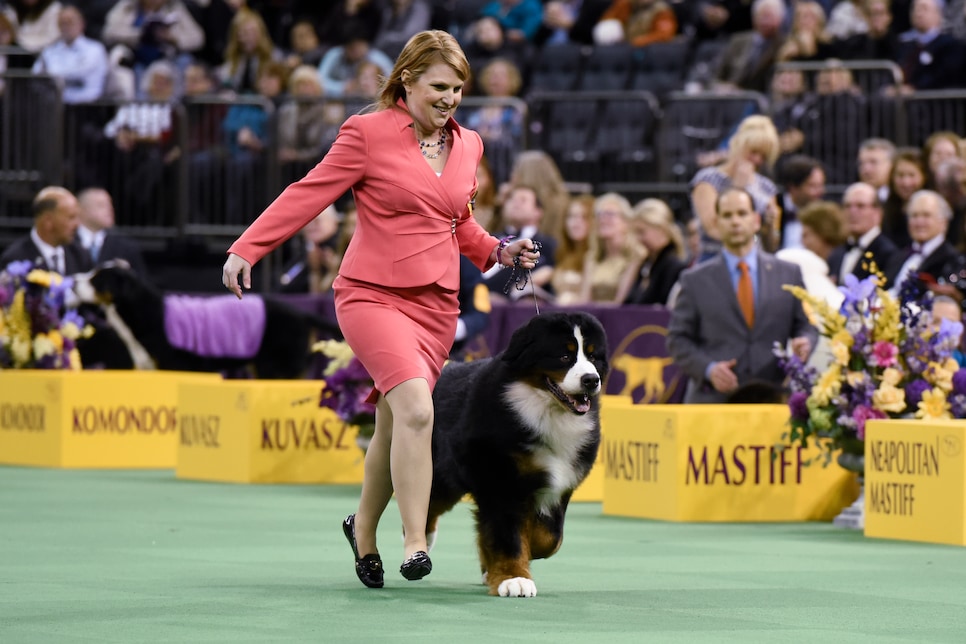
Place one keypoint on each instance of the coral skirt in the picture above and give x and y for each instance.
(397, 333)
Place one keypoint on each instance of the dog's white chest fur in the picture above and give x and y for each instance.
(562, 434)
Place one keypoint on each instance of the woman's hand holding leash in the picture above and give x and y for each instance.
(229, 275)
(525, 249)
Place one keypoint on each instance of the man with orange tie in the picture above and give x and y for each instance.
(732, 310)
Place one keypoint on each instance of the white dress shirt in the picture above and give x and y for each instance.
(53, 255)
(82, 66)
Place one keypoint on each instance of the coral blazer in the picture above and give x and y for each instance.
(411, 225)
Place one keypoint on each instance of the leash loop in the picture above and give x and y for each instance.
(521, 277)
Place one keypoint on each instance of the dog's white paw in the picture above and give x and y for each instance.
(518, 587)
(484, 578)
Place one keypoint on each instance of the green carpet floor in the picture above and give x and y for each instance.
(101, 556)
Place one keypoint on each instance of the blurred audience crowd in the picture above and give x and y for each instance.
(600, 248)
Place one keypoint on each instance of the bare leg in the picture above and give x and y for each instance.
(411, 458)
(376, 483)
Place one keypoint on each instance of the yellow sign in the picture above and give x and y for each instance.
(915, 480)
(714, 463)
(96, 419)
(592, 489)
(273, 431)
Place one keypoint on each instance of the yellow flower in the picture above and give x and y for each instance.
(819, 313)
(843, 337)
(20, 350)
(888, 398)
(339, 352)
(887, 324)
(933, 406)
(891, 376)
(856, 378)
(44, 278)
(43, 346)
(841, 353)
(939, 376)
(70, 331)
(74, 360)
(827, 386)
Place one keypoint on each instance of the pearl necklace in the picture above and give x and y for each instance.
(424, 147)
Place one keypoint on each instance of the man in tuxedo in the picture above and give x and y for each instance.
(866, 244)
(51, 242)
(96, 232)
(803, 181)
(930, 258)
(732, 309)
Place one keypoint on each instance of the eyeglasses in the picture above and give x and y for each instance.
(854, 204)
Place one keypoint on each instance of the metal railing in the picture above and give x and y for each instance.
(190, 182)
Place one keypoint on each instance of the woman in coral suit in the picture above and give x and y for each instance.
(412, 171)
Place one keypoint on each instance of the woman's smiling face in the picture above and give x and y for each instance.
(433, 97)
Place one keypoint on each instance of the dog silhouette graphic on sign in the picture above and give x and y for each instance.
(642, 372)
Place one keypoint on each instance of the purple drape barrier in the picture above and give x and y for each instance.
(640, 365)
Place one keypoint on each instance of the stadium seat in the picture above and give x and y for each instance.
(607, 68)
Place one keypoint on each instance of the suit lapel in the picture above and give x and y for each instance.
(721, 279)
(428, 179)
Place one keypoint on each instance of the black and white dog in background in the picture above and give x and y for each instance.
(264, 337)
(519, 432)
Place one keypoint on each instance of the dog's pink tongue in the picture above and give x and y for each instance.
(583, 406)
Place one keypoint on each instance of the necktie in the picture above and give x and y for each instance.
(746, 294)
(95, 248)
(57, 260)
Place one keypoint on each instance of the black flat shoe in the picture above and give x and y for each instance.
(417, 566)
(368, 568)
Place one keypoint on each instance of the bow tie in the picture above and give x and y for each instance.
(851, 244)
(916, 248)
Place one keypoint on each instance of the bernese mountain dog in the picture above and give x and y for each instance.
(519, 432)
(258, 336)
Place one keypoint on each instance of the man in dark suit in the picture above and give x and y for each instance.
(747, 60)
(866, 244)
(929, 58)
(51, 242)
(930, 258)
(732, 309)
(803, 181)
(96, 232)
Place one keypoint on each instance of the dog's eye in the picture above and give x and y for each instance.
(565, 358)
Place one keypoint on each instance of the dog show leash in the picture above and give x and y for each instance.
(520, 277)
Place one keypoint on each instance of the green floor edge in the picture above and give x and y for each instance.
(120, 556)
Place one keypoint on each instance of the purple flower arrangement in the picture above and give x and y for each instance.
(347, 384)
(35, 332)
(888, 358)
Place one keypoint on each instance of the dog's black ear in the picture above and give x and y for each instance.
(522, 341)
(113, 280)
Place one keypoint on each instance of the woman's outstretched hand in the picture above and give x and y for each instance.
(229, 275)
